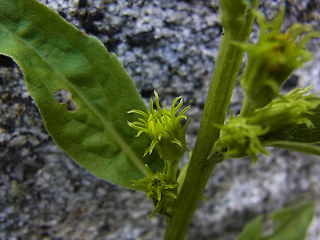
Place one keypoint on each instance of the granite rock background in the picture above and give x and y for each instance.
(170, 46)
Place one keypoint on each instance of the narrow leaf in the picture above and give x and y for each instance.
(55, 56)
(299, 137)
(309, 148)
(289, 223)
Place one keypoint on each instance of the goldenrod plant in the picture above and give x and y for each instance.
(113, 134)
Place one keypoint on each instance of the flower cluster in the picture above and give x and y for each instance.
(168, 138)
(164, 128)
(242, 136)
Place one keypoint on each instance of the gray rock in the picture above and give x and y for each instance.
(170, 46)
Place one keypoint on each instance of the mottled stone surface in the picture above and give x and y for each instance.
(170, 46)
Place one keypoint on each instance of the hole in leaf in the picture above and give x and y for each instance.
(63, 96)
(268, 226)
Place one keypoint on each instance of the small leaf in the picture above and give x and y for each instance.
(253, 230)
(54, 56)
(290, 223)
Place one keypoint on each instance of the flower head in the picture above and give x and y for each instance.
(164, 128)
(273, 59)
(291, 109)
(158, 187)
(239, 138)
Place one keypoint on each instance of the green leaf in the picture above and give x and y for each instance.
(54, 55)
(290, 223)
(299, 137)
(253, 230)
(309, 148)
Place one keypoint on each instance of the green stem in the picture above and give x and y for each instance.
(247, 108)
(172, 169)
(214, 113)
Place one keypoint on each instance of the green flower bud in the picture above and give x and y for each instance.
(164, 129)
(238, 138)
(293, 108)
(158, 187)
(273, 59)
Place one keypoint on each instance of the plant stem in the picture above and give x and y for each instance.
(214, 113)
(246, 109)
(172, 169)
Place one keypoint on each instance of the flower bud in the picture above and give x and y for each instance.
(273, 59)
(293, 108)
(164, 129)
(238, 138)
(158, 187)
